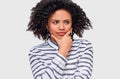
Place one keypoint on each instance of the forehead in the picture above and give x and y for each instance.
(60, 14)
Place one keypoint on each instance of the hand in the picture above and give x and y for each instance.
(64, 43)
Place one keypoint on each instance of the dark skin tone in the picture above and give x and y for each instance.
(60, 27)
(64, 43)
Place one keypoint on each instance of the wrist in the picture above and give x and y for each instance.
(63, 52)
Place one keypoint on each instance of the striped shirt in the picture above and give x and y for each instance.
(47, 63)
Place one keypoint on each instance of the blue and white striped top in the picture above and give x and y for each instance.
(47, 63)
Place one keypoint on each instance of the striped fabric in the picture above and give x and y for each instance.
(47, 63)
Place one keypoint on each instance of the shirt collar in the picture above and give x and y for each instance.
(52, 43)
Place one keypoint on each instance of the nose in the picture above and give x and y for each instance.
(61, 26)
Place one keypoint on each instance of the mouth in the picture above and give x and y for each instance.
(61, 33)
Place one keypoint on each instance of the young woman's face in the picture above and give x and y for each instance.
(59, 23)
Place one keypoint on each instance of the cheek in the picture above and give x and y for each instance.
(52, 29)
(68, 27)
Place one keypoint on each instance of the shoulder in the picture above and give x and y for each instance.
(82, 43)
(38, 48)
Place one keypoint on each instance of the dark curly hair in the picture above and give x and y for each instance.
(42, 11)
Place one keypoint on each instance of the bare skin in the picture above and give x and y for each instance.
(60, 27)
(64, 43)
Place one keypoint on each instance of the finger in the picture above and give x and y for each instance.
(68, 33)
(55, 38)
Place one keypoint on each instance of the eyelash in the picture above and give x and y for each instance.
(56, 22)
(66, 22)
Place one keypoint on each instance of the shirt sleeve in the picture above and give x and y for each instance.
(43, 70)
(85, 64)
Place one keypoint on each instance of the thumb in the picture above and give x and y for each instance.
(55, 38)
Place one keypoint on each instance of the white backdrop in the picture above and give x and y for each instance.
(15, 42)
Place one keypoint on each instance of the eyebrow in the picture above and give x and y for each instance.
(64, 20)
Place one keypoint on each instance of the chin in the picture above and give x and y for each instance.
(59, 37)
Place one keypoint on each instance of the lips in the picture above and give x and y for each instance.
(61, 33)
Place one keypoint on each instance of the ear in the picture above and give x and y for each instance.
(47, 29)
(46, 26)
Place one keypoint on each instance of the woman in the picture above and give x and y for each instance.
(61, 56)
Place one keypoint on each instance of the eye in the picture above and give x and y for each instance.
(55, 22)
(66, 22)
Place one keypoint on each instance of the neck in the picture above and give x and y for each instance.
(53, 40)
